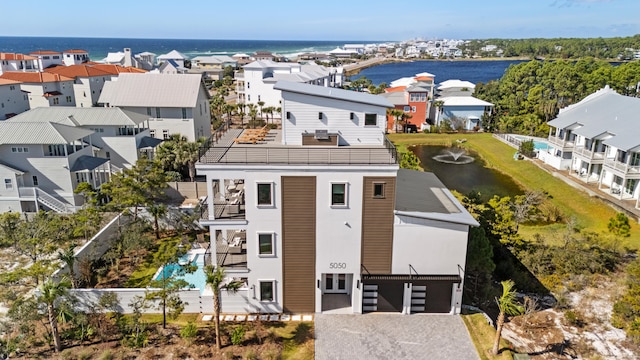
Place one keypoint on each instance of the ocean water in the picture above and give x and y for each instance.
(474, 71)
(99, 47)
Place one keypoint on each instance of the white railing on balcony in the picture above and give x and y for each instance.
(621, 167)
(581, 150)
(560, 142)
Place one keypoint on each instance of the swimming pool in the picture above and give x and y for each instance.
(196, 279)
(538, 143)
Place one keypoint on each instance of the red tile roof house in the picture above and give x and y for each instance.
(17, 62)
(44, 89)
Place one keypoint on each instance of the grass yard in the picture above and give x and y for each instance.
(590, 213)
(482, 335)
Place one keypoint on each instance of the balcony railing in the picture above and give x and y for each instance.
(622, 167)
(561, 142)
(581, 150)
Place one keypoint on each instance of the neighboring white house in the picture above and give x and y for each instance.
(75, 57)
(213, 62)
(119, 135)
(47, 58)
(462, 112)
(41, 163)
(319, 217)
(17, 62)
(175, 104)
(171, 67)
(598, 140)
(145, 60)
(255, 83)
(44, 89)
(173, 55)
(13, 100)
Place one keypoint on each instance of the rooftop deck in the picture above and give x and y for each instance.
(270, 150)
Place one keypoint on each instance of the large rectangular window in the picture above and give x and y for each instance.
(35, 180)
(339, 194)
(265, 194)
(267, 291)
(8, 184)
(265, 244)
(370, 119)
(184, 113)
(378, 190)
(158, 112)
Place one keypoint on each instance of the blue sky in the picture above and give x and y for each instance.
(322, 20)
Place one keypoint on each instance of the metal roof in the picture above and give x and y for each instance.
(173, 54)
(148, 142)
(422, 194)
(332, 93)
(153, 90)
(11, 169)
(463, 101)
(604, 111)
(86, 162)
(72, 116)
(47, 133)
(396, 98)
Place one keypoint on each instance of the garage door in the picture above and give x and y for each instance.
(438, 296)
(382, 296)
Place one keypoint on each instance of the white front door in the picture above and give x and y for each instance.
(335, 283)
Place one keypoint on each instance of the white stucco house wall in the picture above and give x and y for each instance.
(13, 100)
(17, 62)
(44, 89)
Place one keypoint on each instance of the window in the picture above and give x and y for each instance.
(12, 87)
(184, 113)
(165, 134)
(288, 115)
(266, 291)
(68, 99)
(339, 194)
(265, 194)
(413, 109)
(108, 155)
(157, 112)
(248, 85)
(152, 132)
(35, 180)
(319, 116)
(265, 244)
(56, 57)
(352, 116)
(45, 57)
(56, 101)
(8, 184)
(258, 97)
(378, 190)
(149, 111)
(370, 119)
(248, 97)
(407, 108)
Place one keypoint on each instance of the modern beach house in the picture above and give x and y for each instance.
(318, 216)
(598, 140)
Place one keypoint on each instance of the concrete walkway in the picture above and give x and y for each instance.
(392, 336)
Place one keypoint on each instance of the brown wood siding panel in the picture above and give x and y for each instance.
(310, 139)
(377, 225)
(298, 243)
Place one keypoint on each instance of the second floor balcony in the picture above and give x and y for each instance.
(560, 142)
(596, 157)
(622, 168)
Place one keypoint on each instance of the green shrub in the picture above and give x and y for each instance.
(237, 336)
(189, 332)
(573, 318)
(527, 148)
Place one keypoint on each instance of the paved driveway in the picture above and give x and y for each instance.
(392, 336)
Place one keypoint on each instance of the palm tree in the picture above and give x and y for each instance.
(269, 111)
(438, 104)
(242, 111)
(508, 305)
(396, 114)
(253, 114)
(50, 292)
(69, 258)
(261, 104)
(215, 277)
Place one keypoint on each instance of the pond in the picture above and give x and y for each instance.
(466, 177)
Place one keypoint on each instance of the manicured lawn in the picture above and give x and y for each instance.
(591, 214)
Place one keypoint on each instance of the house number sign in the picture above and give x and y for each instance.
(337, 265)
